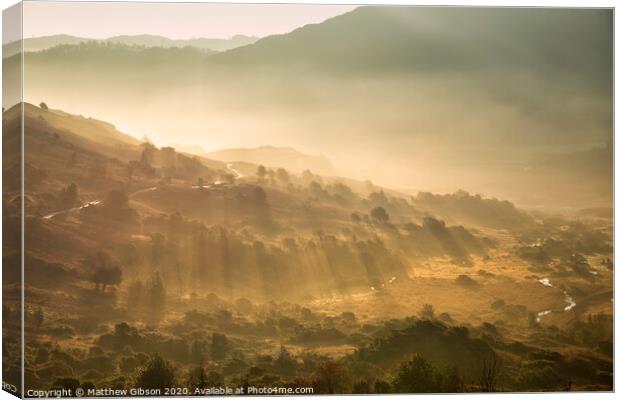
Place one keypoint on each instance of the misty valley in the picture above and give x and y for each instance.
(149, 267)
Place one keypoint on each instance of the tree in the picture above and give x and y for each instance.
(427, 311)
(43, 106)
(200, 379)
(382, 386)
(361, 387)
(197, 351)
(148, 154)
(307, 176)
(156, 299)
(330, 377)
(416, 376)
(244, 305)
(380, 214)
(197, 379)
(158, 374)
(284, 363)
(107, 276)
(261, 171)
(219, 346)
(489, 369)
(106, 271)
(282, 175)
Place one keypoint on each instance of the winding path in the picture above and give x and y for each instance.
(94, 203)
(234, 171)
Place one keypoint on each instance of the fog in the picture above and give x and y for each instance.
(434, 110)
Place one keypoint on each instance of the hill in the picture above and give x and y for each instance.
(284, 157)
(317, 263)
(387, 85)
(432, 39)
(39, 43)
(212, 44)
(205, 44)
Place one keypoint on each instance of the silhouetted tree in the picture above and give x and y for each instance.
(197, 351)
(427, 311)
(416, 376)
(261, 171)
(379, 214)
(200, 379)
(107, 276)
(284, 363)
(148, 154)
(361, 387)
(244, 305)
(330, 377)
(158, 374)
(283, 176)
(489, 370)
(43, 106)
(219, 346)
(382, 386)
(106, 271)
(156, 299)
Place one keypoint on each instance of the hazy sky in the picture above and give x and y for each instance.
(173, 20)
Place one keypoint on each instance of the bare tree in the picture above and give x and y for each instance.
(491, 366)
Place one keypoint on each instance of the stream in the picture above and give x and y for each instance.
(570, 302)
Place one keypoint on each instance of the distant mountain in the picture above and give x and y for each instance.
(433, 39)
(40, 43)
(206, 44)
(201, 43)
(283, 157)
(431, 98)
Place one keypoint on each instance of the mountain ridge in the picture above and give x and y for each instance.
(41, 43)
(275, 156)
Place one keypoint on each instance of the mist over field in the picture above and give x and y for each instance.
(393, 200)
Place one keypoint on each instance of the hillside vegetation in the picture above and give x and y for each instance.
(143, 260)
